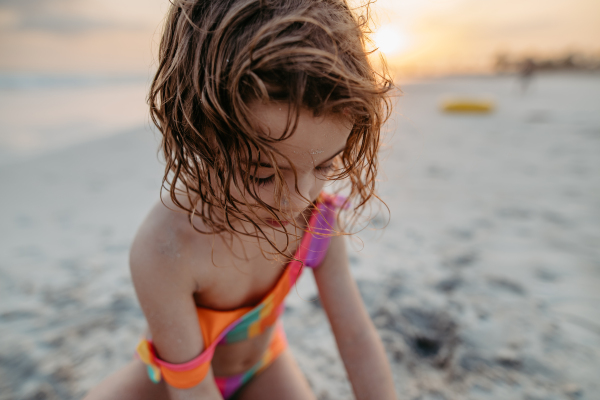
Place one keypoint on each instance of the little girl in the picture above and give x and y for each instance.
(260, 103)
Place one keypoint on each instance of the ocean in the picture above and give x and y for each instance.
(40, 113)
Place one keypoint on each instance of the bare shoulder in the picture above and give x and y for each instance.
(166, 269)
(167, 247)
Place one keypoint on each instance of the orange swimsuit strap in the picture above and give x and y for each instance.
(220, 327)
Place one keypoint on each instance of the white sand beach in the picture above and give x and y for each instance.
(485, 284)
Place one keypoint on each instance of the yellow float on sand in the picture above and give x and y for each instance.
(468, 106)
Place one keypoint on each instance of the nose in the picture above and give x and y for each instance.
(308, 189)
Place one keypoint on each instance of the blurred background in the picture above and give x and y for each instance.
(485, 284)
(81, 65)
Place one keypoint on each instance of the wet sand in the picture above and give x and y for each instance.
(484, 284)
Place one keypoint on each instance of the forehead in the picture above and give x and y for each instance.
(315, 138)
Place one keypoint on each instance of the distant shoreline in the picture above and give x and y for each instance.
(18, 80)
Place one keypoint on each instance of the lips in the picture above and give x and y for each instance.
(276, 223)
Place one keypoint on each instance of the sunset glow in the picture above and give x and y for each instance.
(390, 40)
(424, 37)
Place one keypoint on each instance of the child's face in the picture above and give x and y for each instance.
(311, 149)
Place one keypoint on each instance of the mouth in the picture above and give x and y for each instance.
(276, 223)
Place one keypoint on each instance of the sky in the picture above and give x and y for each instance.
(447, 35)
(418, 36)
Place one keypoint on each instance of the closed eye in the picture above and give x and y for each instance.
(325, 168)
(263, 181)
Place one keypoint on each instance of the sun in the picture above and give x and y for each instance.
(391, 40)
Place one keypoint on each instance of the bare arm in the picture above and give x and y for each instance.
(358, 342)
(165, 288)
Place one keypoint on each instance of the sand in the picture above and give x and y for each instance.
(483, 285)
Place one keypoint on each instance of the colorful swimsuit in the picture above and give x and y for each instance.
(223, 327)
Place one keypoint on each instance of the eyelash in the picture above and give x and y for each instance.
(326, 168)
(270, 179)
(263, 181)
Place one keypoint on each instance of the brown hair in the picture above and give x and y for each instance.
(217, 56)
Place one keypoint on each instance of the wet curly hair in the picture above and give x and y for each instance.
(216, 57)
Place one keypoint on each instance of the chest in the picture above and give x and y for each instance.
(242, 274)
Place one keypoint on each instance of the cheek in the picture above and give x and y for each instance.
(267, 194)
(293, 202)
(309, 189)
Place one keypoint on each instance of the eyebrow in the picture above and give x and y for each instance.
(267, 165)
